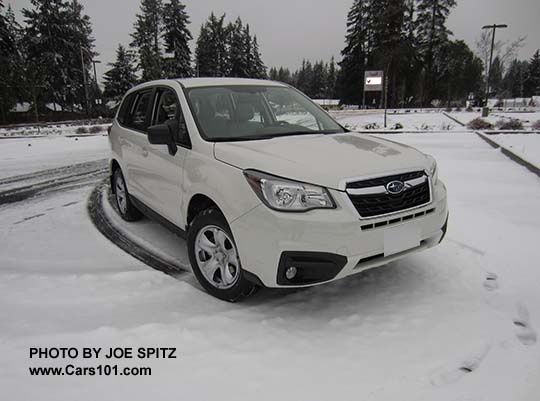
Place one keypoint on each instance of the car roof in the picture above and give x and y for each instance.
(202, 82)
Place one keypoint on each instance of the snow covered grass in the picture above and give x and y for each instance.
(22, 156)
(52, 129)
(527, 118)
(527, 146)
(435, 326)
(374, 120)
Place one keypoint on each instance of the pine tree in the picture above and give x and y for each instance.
(147, 39)
(432, 35)
(331, 80)
(514, 78)
(122, 76)
(58, 45)
(355, 53)
(284, 75)
(258, 69)
(532, 82)
(10, 61)
(273, 74)
(238, 46)
(211, 54)
(176, 37)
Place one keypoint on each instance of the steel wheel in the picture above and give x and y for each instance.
(217, 257)
(121, 196)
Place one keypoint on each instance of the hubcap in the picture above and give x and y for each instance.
(121, 197)
(217, 257)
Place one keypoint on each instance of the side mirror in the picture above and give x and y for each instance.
(160, 134)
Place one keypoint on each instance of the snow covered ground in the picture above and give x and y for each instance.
(457, 322)
(527, 146)
(374, 120)
(526, 118)
(23, 156)
(60, 129)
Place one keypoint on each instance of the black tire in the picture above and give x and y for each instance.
(126, 210)
(241, 287)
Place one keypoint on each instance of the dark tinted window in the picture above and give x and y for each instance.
(125, 107)
(139, 111)
(168, 109)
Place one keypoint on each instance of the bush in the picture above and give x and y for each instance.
(536, 125)
(397, 126)
(458, 108)
(448, 109)
(469, 109)
(81, 130)
(95, 129)
(479, 124)
(372, 126)
(510, 125)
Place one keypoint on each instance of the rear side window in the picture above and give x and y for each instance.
(138, 115)
(125, 107)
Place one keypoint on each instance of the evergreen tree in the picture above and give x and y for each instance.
(514, 78)
(532, 82)
(258, 69)
(432, 35)
(355, 53)
(176, 37)
(58, 45)
(211, 54)
(331, 80)
(273, 74)
(122, 76)
(10, 62)
(461, 72)
(496, 78)
(238, 48)
(147, 39)
(284, 75)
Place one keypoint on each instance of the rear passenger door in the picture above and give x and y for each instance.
(133, 140)
(161, 182)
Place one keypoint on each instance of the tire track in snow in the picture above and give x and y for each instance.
(22, 187)
(117, 237)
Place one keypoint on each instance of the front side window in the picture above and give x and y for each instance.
(229, 113)
(168, 109)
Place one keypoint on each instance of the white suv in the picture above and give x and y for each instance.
(267, 188)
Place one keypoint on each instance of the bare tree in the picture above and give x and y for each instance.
(505, 50)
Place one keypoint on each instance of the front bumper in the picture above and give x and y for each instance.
(263, 236)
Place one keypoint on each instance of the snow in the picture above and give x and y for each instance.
(22, 156)
(438, 325)
(51, 129)
(528, 118)
(413, 121)
(527, 146)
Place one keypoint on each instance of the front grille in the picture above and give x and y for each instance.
(382, 181)
(376, 204)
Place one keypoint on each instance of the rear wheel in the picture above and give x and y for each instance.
(214, 257)
(126, 209)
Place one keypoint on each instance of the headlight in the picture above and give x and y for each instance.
(432, 170)
(288, 196)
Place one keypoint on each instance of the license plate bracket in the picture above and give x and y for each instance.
(401, 238)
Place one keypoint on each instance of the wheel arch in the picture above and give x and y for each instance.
(198, 203)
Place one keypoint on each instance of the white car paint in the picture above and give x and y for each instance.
(167, 184)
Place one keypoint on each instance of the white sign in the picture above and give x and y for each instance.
(373, 81)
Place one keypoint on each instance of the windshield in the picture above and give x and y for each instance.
(237, 113)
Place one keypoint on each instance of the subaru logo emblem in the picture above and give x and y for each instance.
(395, 187)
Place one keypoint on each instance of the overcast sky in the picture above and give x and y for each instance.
(289, 30)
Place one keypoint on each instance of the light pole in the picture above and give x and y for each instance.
(83, 67)
(494, 27)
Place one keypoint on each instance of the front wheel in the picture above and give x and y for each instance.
(214, 257)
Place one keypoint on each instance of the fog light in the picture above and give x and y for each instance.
(291, 273)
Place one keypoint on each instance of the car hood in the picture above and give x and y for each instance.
(326, 160)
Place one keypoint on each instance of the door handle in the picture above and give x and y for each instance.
(144, 152)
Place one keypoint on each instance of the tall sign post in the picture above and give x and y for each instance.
(374, 81)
